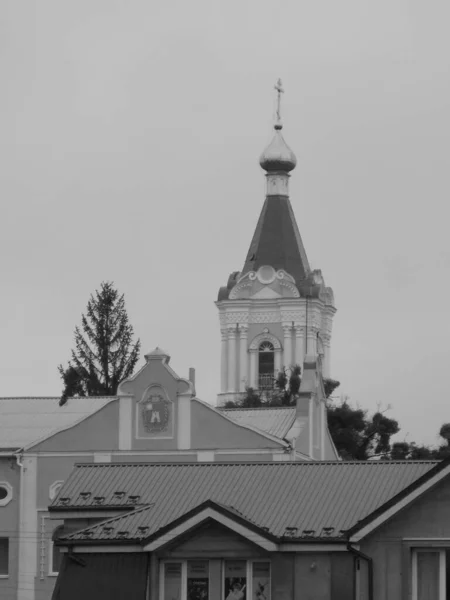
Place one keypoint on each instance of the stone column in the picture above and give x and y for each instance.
(232, 359)
(299, 344)
(253, 368)
(287, 334)
(311, 341)
(223, 360)
(243, 357)
(277, 361)
(327, 357)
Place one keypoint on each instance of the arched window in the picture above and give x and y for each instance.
(266, 365)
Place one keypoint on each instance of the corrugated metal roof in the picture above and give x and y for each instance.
(275, 421)
(276, 496)
(24, 421)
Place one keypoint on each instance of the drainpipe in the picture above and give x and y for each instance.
(369, 561)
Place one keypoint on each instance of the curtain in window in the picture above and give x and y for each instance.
(428, 576)
(108, 576)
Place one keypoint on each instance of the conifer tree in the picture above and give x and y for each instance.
(104, 351)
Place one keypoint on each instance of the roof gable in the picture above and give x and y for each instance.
(212, 428)
(275, 421)
(27, 421)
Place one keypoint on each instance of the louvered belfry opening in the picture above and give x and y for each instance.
(266, 366)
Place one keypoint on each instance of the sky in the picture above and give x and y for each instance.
(131, 133)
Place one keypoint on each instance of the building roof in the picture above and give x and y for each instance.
(276, 421)
(325, 499)
(25, 421)
(277, 241)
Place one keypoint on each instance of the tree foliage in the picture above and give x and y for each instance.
(358, 435)
(104, 353)
(286, 386)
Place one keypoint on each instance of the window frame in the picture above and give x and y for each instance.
(442, 569)
(51, 547)
(248, 573)
(184, 578)
(5, 575)
(9, 493)
(184, 561)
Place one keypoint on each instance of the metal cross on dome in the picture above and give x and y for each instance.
(279, 89)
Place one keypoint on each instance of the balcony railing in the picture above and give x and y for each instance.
(266, 381)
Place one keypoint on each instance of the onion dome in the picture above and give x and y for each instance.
(278, 156)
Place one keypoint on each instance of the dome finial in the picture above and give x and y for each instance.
(278, 157)
(279, 89)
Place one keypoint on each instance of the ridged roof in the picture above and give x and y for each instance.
(24, 421)
(277, 241)
(275, 421)
(275, 496)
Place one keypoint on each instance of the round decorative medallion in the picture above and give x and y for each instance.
(266, 274)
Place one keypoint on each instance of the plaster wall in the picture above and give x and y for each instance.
(154, 458)
(211, 430)
(274, 328)
(9, 526)
(427, 517)
(266, 457)
(100, 431)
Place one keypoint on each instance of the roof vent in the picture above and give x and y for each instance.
(107, 529)
(122, 534)
(143, 530)
(64, 501)
(119, 495)
(290, 531)
(85, 495)
(99, 499)
(133, 499)
(327, 530)
(308, 532)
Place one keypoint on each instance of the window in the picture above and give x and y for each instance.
(238, 579)
(185, 580)
(246, 580)
(266, 365)
(431, 574)
(6, 493)
(4, 557)
(55, 555)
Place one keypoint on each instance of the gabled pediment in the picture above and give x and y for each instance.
(266, 293)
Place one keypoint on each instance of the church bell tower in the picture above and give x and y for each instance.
(276, 311)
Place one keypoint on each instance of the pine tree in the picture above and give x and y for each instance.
(104, 352)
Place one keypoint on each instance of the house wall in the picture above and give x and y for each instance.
(9, 519)
(427, 517)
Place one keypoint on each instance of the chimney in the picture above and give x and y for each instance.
(192, 376)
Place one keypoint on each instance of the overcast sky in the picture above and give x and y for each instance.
(129, 146)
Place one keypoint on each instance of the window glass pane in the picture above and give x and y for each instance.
(4, 556)
(197, 580)
(235, 579)
(428, 576)
(56, 559)
(172, 581)
(261, 581)
(447, 567)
